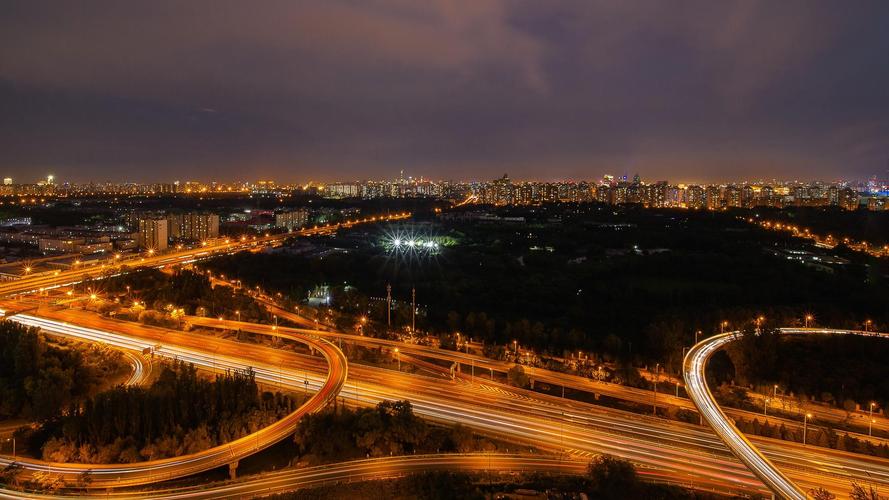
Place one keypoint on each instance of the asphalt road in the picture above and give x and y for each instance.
(107, 475)
(783, 484)
(682, 452)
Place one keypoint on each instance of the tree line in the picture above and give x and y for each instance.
(598, 289)
(39, 378)
(179, 413)
(390, 428)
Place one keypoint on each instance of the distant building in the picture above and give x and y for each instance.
(695, 198)
(875, 204)
(293, 219)
(16, 221)
(342, 190)
(194, 226)
(7, 181)
(153, 233)
(75, 245)
(848, 199)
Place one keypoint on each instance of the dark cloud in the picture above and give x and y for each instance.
(685, 90)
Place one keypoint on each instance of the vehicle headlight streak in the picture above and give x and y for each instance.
(105, 475)
(694, 366)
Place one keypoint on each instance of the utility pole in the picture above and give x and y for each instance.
(389, 305)
(806, 418)
(657, 368)
(413, 310)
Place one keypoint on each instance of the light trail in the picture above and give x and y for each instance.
(681, 451)
(114, 267)
(354, 470)
(108, 475)
(694, 366)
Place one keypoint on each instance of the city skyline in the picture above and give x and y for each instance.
(339, 90)
(445, 249)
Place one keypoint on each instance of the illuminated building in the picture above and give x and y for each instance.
(153, 233)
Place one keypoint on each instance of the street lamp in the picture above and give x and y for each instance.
(13, 447)
(806, 418)
(765, 406)
(238, 314)
(870, 417)
(867, 325)
(722, 326)
(398, 356)
(808, 318)
(515, 344)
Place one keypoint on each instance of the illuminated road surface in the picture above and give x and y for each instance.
(54, 279)
(694, 367)
(106, 475)
(685, 453)
(481, 367)
(345, 472)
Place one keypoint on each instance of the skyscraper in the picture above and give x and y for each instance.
(153, 233)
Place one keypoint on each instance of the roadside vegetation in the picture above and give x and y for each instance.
(607, 478)
(390, 428)
(178, 414)
(40, 376)
(618, 283)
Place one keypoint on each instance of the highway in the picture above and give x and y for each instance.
(107, 475)
(684, 452)
(694, 366)
(344, 472)
(474, 366)
(118, 264)
(141, 368)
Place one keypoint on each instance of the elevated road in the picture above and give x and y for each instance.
(479, 367)
(107, 475)
(683, 452)
(694, 372)
(343, 472)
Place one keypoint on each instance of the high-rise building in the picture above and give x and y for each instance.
(848, 199)
(194, 226)
(153, 233)
(695, 198)
(748, 196)
(733, 196)
(293, 219)
(713, 199)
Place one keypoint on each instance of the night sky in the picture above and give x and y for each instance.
(338, 89)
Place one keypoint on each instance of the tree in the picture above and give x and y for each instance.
(860, 492)
(517, 377)
(820, 493)
(10, 474)
(453, 321)
(613, 477)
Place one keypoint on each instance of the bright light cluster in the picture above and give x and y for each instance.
(410, 243)
(398, 243)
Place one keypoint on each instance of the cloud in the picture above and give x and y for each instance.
(446, 88)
